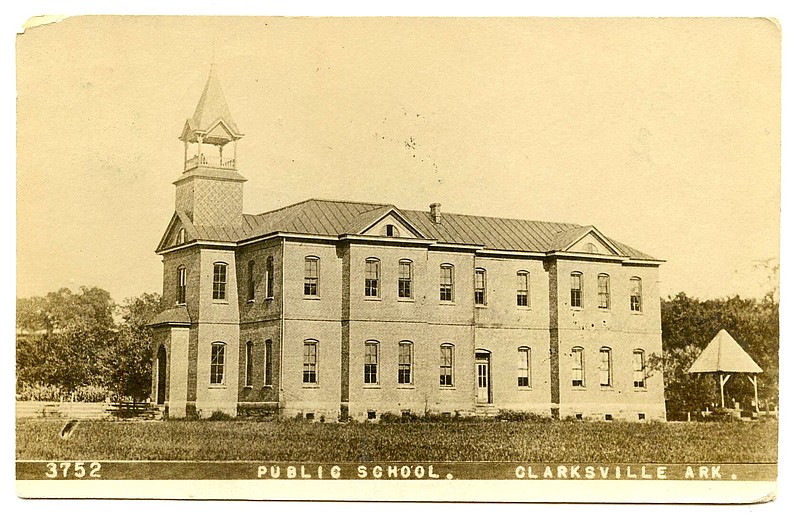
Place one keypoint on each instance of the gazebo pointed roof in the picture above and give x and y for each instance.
(211, 112)
(724, 354)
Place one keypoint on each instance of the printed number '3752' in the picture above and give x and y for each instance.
(73, 469)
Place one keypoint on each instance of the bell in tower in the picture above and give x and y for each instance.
(209, 191)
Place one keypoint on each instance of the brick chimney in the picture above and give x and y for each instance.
(436, 212)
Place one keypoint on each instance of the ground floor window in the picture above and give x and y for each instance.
(523, 367)
(371, 362)
(310, 366)
(446, 365)
(404, 363)
(217, 363)
(577, 367)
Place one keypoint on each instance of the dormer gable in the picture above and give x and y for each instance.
(586, 240)
(179, 232)
(385, 221)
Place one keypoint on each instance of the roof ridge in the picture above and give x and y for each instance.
(571, 225)
(321, 200)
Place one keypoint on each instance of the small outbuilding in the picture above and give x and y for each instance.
(725, 356)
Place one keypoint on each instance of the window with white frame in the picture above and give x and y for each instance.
(446, 365)
(578, 372)
(603, 291)
(638, 369)
(180, 296)
(605, 366)
(310, 362)
(371, 362)
(217, 363)
(220, 280)
(636, 294)
(248, 364)
(311, 280)
(446, 283)
(404, 279)
(181, 239)
(480, 287)
(524, 367)
(522, 288)
(372, 277)
(405, 360)
(576, 290)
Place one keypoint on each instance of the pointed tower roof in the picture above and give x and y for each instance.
(724, 354)
(212, 119)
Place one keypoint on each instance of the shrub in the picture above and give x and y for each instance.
(506, 415)
(219, 416)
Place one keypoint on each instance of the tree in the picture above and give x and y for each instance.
(128, 363)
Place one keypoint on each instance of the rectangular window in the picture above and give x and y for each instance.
(638, 369)
(523, 367)
(270, 277)
(576, 290)
(577, 367)
(310, 362)
(605, 367)
(446, 283)
(404, 280)
(446, 366)
(371, 363)
(251, 281)
(372, 278)
(480, 287)
(404, 363)
(603, 290)
(522, 289)
(217, 363)
(268, 362)
(220, 280)
(636, 295)
(180, 296)
(311, 282)
(248, 364)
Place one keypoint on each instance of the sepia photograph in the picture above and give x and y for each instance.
(465, 259)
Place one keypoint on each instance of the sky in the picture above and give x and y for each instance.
(662, 133)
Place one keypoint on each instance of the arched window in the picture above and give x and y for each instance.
(181, 237)
(591, 248)
(310, 362)
(180, 292)
(446, 283)
(220, 280)
(638, 369)
(405, 288)
(603, 291)
(311, 280)
(480, 287)
(251, 280)
(605, 367)
(578, 371)
(270, 277)
(248, 364)
(268, 362)
(636, 294)
(522, 288)
(372, 277)
(389, 230)
(405, 362)
(576, 290)
(446, 365)
(217, 363)
(371, 351)
(523, 366)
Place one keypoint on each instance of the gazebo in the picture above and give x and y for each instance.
(725, 356)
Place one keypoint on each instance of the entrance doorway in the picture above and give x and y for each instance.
(161, 373)
(483, 375)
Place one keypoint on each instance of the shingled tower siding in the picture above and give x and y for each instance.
(210, 200)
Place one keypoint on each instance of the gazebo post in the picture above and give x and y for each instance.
(754, 380)
(722, 380)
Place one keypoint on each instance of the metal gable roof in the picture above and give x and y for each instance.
(335, 218)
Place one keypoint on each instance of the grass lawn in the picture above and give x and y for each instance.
(548, 442)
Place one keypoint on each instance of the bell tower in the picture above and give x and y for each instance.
(209, 191)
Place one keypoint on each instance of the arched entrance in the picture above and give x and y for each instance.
(161, 373)
(483, 377)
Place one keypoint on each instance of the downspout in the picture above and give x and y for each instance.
(281, 397)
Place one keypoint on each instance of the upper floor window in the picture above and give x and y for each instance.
(248, 364)
(638, 369)
(218, 363)
(372, 278)
(390, 230)
(371, 362)
(446, 283)
(636, 294)
(181, 238)
(268, 362)
(578, 377)
(251, 280)
(605, 366)
(523, 367)
(522, 288)
(180, 295)
(446, 365)
(603, 290)
(404, 362)
(404, 279)
(591, 248)
(270, 277)
(311, 280)
(220, 280)
(310, 364)
(576, 289)
(480, 287)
